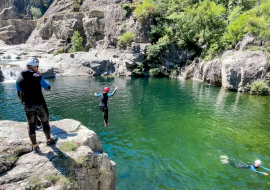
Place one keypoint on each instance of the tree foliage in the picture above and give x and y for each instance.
(36, 12)
(127, 38)
(77, 42)
(208, 27)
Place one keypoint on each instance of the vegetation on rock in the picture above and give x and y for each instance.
(127, 38)
(159, 72)
(77, 42)
(258, 87)
(68, 146)
(36, 12)
(139, 71)
(207, 27)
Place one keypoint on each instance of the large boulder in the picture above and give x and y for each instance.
(242, 67)
(212, 72)
(76, 162)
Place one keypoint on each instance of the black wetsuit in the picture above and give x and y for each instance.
(104, 104)
(246, 166)
(29, 90)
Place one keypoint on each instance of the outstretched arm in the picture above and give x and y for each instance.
(97, 95)
(265, 168)
(109, 95)
(253, 169)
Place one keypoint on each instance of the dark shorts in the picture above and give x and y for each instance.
(32, 111)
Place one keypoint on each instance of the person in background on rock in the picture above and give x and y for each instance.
(256, 164)
(29, 85)
(103, 103)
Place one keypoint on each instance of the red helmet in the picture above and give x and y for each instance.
(106, 89)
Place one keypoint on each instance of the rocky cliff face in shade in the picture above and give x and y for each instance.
(235, 69)
(76, 162)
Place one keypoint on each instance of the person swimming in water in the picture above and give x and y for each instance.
(256, 164)
(103, 103)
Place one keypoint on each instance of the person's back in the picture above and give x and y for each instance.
(104, 99)
(30, 85)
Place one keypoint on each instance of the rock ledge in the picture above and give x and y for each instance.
(76, 162)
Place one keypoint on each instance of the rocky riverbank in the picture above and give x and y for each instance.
(76, 162)
(235, 68)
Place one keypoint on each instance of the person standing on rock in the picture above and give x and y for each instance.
(104, 101)
(29, 84)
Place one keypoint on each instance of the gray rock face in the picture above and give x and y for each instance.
(242, 67)
(233, 71)
(14, 31)
(23, 6)
(9, 13)
(246, 42)
(57, 167)
(100, 22)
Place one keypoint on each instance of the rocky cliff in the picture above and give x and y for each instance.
(13, 28)
(77, 161)
(100, 22)
(235, 69)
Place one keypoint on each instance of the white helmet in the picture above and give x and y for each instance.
(258, 162)
(32, 62)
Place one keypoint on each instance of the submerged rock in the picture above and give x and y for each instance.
(77, 161)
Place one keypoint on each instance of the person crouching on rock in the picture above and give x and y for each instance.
(29, 84)
(103, 103)
(256, 164)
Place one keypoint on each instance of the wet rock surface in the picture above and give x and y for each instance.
(77, 161)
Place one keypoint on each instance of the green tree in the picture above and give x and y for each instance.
(77, 42)
(36, 12)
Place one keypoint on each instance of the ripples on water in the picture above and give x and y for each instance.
(165, 133)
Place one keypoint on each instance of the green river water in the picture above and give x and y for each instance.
(165, 133)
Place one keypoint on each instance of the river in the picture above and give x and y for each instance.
(165, 133)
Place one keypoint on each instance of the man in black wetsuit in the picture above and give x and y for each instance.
(29, 85)
(103, 103)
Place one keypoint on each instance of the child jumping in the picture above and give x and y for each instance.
(103, 103)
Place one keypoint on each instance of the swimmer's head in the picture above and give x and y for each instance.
(257, 163)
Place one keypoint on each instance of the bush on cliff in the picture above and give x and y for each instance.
(139, 71)
(158, 72)
(258, 87)
(145, 9)
(127, 38)
(77, 43)
(36, 12)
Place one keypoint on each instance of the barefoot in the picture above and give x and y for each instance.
(224, 161)
(224, 157)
